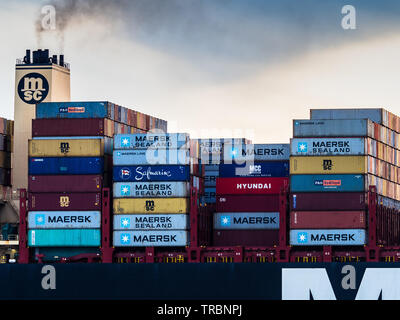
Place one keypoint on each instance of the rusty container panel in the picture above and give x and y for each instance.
(311, 201)
(328, 220)
(261, 238)
(64, 201)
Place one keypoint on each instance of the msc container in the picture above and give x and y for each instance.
(328, 220)
(71, 127)
(151, 173)
(64, 219)
(255, 169)
(151, 222)
(64, 201)
(334, 237)
(250, 185)
(66, 165)
(150, 156)
(327, 183)
(59, 183)
(174, 238)
(256, 152)
(327, 146)
(67, 147)
(64, 238)
(47, 110)
(5, 160)
(151, 140)
(246, 220)
(259, 238)
(328, 165)
(248, 203)
(150, 205)
(159, 189)
(328, 201)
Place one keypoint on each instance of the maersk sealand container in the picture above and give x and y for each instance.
(84, 109)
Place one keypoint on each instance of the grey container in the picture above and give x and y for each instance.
(375, 115)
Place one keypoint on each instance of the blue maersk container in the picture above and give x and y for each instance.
(66, 165)
(327, 183)
(95, 109)
(324, 237)
(154, 140)
(151, 157)
(151, 173)
(255, 169)
(64, 238)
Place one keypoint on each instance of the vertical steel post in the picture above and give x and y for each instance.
(372, 249)
(283, 250)
(22, 234)
(194, 218)
(106, 248)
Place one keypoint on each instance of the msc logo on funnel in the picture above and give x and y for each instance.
(33, 88)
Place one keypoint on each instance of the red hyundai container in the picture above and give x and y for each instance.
(328, 220)
(250, 185)
(69, 127)
(328, 201)
(64, 201)
(69, 183)
(259, 238)
(252, 203)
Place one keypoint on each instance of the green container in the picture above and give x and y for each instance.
(64, 238)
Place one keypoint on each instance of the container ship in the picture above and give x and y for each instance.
(98, 199)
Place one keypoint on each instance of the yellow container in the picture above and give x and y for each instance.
(66, 147)
(152, 205)
(328, 165)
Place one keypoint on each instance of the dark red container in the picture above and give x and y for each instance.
(68, 127)
(250, 185)
(259, 238)
(328, 201)
(256, 203)
(328, 220)
(64, 201)
(72, 183)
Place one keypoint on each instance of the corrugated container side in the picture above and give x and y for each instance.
(327, 183)
(328, 165)
(159, 156)
(151, 222)
(67, 165)
(46, 110)
(334, 237)
(64, 201)
(247, 203)
(327, 146)
(66, 147)
(175, 238)
(71, 127)
(250, 185)
(328, 201)
(66, 183)
(160, 189)
(64, 238)
(263, 238)
(256, 152)
(255, 169)
(328, 220)
(246, 220)
(150, 205)
(64, 219)
(151, 173)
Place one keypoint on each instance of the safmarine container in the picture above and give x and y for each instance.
(327, 183)
(256, 152)
(64, 238)
(328, 165)
(151, 156)
(140, 238)
(150, 205)
(323, 237)
(247, 203)
(153, 140)
(71, 127)
(160, 189)
(151, 222)
(64, 219)
(328, 146)
(60, 183)
(64, 201)
(98, 109)
(66, 165)
(263, 238)
(246, 220)
(255, 169)
(250, 185)
(328, 220)
(328, 201)
(67, 147)
(151, 173)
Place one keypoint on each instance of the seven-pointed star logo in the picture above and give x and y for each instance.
(126, 222)
(302, 147)
(225, 221)
(125, 190)
(40, 219)
(302, 237)
(125, 238)
(125, 141)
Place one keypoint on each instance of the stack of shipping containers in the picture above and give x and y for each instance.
(335, 157)
(152, 180)
(6, 142)
(250, 181)
(70, 161)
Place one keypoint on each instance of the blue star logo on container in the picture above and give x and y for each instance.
(125, 238)
(126, 190)
(125, 141)
(302, 147)
(234, 153)
(125, 223)
(40, 219)
(302, 237)
(225, 221)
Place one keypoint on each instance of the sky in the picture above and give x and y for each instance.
(215, 68)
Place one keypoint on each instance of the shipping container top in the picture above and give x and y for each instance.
(154, 140)
(256, 152)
